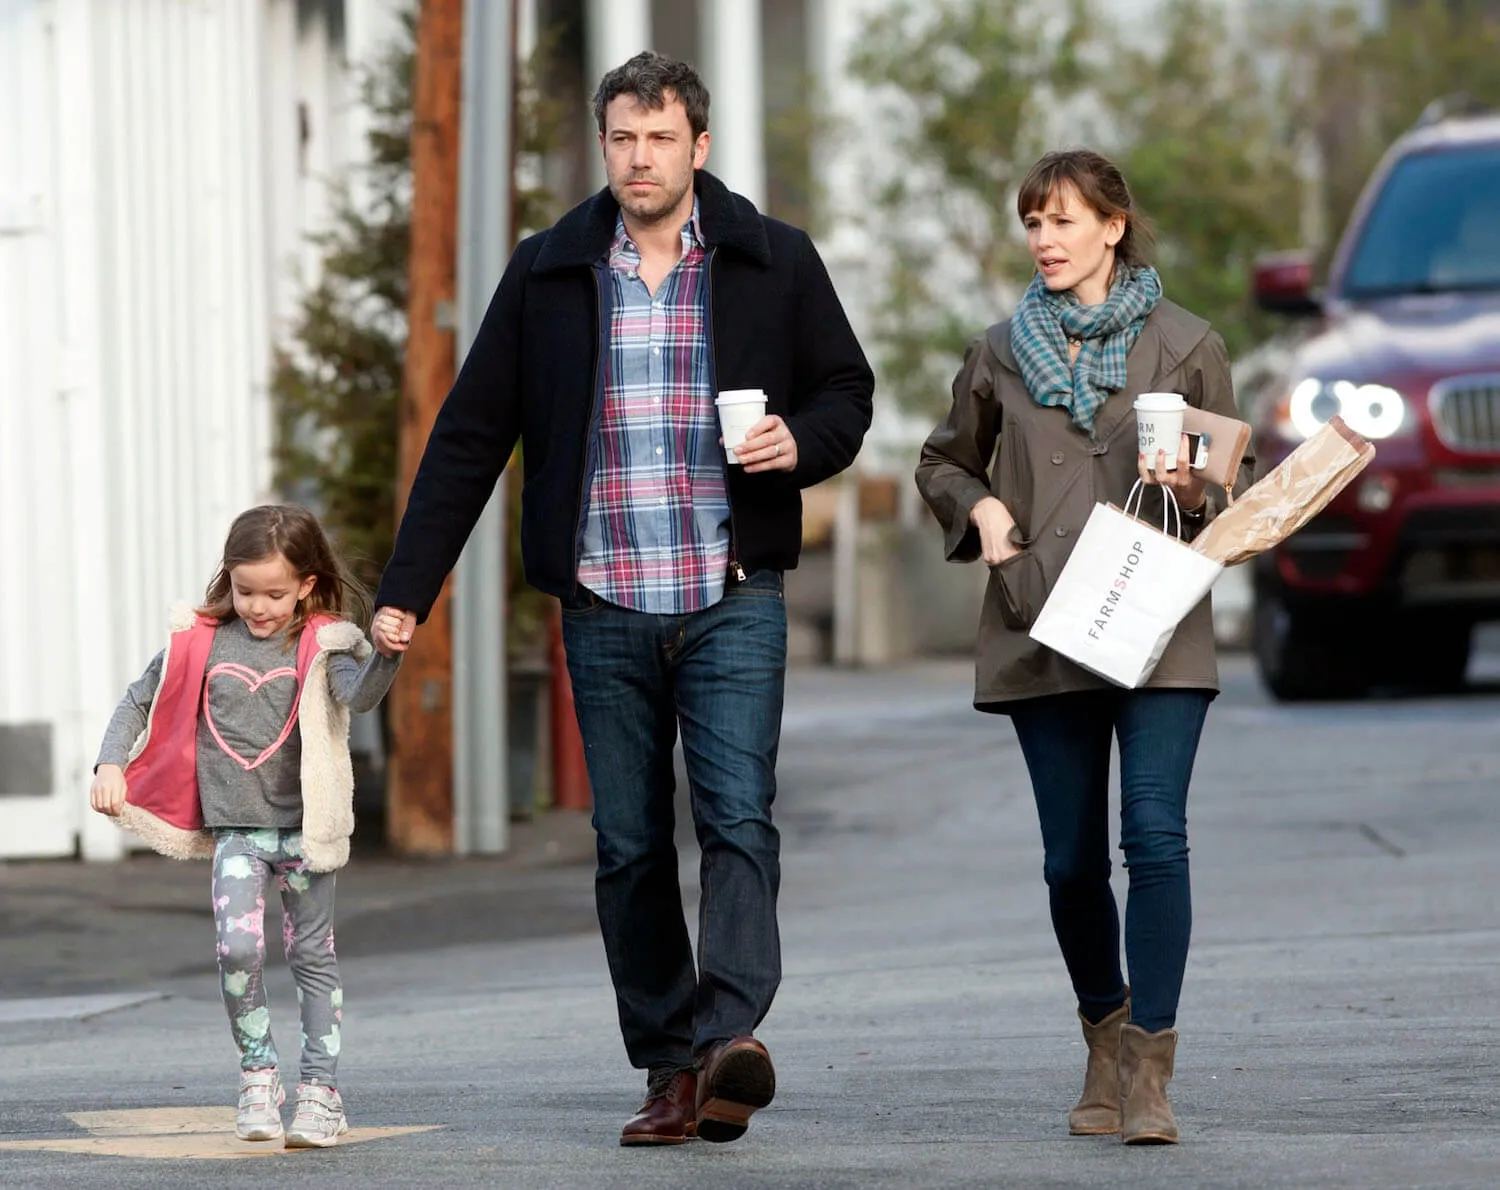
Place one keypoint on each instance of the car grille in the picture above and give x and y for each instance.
(1466, 412)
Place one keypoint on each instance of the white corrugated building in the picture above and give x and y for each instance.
(161, 162)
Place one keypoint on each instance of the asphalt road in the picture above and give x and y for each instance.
(1337, 1025)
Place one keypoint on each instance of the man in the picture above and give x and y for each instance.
(603, 350)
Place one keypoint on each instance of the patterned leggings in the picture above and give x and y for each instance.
(244, 864)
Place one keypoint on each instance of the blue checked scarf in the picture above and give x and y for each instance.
(1044, 322)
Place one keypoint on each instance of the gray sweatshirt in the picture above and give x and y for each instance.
(249, 763)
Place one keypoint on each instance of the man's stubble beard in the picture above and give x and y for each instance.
(650, 213)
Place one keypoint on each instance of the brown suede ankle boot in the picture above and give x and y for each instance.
(1145, 1070)
(1098, 1109)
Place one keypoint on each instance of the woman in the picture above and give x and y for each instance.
(1053, 390)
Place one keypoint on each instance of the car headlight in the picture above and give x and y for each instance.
(1374, 410)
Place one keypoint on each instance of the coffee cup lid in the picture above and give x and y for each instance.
(741, 396)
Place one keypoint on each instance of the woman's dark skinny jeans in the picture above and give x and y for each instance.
(1066, 741)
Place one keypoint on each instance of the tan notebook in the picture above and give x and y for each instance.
(1225, 440)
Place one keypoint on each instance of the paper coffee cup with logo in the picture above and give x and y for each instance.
(739, 409)
(1158, 424)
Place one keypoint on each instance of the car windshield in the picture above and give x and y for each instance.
(1435, 227)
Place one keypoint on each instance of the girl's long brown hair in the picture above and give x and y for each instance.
(1099, 183)
(293, 532)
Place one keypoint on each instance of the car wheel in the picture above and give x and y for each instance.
(1433, 658)
(1305, 654)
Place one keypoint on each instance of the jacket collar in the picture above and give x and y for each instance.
(583, 235)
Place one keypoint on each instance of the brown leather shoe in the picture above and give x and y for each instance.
(735, 1080)
(666, 1118)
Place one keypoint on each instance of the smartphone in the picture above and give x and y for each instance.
(1198, 444)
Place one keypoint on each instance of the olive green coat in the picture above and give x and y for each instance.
(1050, 474)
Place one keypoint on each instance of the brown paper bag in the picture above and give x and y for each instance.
(1294, 492)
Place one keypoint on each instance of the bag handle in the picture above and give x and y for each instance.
(1169, 506)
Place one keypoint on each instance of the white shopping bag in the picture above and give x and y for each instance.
(1124, 590)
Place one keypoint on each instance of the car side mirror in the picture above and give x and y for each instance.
(1283, 284)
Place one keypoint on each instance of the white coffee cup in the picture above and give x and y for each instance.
(739, 409)
(1158, 425)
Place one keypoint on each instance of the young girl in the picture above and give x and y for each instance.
(235, 743)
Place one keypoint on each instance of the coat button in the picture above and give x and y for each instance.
(1060, 531)
(1057, 457)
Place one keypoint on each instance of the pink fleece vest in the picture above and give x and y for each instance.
(163, 779)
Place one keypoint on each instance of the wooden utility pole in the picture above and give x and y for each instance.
(420, 767)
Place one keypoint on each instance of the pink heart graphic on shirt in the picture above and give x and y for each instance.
(254, 681)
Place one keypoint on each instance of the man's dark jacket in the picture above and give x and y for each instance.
(535, 373)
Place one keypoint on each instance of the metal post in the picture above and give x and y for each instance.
(833, 27)
(732, 50)
(481, 803)
(617, 30)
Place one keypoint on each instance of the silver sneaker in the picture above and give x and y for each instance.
(261, 1097)
(320, 1118)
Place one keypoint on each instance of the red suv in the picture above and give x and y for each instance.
(1385, 586)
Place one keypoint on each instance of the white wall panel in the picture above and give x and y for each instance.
(280, 144)
(82, 392)
(34, 487)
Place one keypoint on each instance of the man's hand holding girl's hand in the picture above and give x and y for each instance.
(107, 795)
(392, 630)
(994, 522)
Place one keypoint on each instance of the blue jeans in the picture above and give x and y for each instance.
(719, 676)
(1066, 741)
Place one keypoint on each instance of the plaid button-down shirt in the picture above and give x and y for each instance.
(656, 534)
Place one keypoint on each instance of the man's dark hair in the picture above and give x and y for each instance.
(648, 77)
